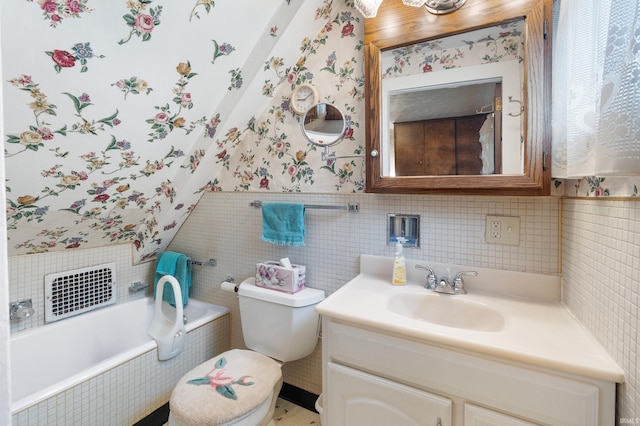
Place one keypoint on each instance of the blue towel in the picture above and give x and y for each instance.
(176, 264)
(283, 223)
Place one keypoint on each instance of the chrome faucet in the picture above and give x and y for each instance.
(431, 277)
(458, 282)
(443, 285)
(21, 310)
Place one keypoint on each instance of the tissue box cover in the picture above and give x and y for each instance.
(274, 276)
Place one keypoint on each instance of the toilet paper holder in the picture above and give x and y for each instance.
(229, 284)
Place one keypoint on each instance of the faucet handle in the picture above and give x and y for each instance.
(431, 277)
(458, 282)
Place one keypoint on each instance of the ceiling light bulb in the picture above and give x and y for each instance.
(414, 3)
(368, 8)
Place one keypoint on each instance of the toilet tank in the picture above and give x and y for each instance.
(280, 325)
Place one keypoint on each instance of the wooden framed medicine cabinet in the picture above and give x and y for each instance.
(518, 162)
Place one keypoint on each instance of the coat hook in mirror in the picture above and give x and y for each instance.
(521, 107)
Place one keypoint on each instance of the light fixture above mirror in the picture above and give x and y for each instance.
(369, 8)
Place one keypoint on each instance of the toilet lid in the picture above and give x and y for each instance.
(224, 388)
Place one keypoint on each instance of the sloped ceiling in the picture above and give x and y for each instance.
(120, 114)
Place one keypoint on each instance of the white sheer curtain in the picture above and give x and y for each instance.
(596, 88)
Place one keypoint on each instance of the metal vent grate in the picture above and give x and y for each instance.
(81, 290)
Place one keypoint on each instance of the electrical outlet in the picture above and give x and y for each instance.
(495, 229)
(503, 230)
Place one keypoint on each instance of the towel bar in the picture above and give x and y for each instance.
(210, 262)
(353, 208)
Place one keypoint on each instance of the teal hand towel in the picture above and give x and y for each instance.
(283, 223)
(176, 264)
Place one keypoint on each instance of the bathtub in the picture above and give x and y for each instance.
(48, 361)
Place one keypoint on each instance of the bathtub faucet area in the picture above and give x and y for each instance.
(105, 347)
(21, 310)
(137, 286)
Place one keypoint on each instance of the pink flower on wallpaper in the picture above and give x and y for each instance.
(185, 99)
(161, 118)
(292, 170)
(74, 6)
(143, 23)
(166, 190)
(49, 6)
(56, 10)
(45, 133)
(63, 58)
(347, 30)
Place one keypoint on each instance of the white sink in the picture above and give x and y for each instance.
(447, 310)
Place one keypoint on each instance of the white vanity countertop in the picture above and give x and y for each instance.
(538, 329)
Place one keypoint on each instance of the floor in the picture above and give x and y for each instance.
(289, 414)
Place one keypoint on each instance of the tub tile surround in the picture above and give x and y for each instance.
(27, 272)
(130, 391)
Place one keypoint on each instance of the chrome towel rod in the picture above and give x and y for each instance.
(353, 208)
(210, 262)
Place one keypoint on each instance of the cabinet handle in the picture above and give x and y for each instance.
(439, 422)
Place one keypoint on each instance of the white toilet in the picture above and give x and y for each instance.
(240, 387)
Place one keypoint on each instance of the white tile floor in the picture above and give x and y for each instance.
(289, 414)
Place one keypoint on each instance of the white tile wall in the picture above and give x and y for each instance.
(223, 226)
(601, 259)
(601, 269)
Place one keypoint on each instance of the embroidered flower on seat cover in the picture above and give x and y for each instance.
(219, 379)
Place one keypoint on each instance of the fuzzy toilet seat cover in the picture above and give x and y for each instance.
(224, 388)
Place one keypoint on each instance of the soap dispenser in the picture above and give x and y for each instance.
(399, 268)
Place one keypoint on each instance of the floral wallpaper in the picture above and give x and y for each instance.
(119, 118)
(499, 43)
(120, 115)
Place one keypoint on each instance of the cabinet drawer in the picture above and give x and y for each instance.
(361, 399)
(524, 392)
(478, 416)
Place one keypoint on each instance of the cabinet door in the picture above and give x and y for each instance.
(356, 398)
(478, 416)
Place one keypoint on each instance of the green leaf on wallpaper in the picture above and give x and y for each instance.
(62, 131)
(109, 120)
(129, 19)
(79, 105)
(112, 144)
(146, 37)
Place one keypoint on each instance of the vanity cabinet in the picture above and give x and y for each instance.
(373, 378)
(359, 398)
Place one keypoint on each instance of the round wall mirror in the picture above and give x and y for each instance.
(323, 125)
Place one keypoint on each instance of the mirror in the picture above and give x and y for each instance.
(323, 125)
(449, 119)
(455, 103)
